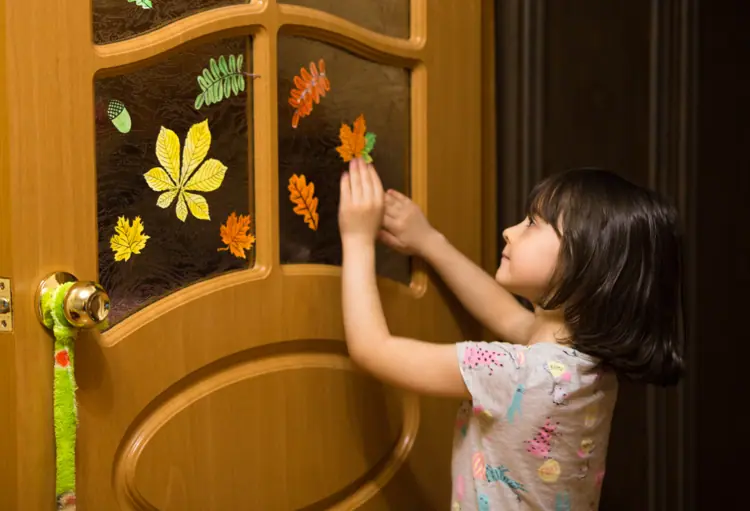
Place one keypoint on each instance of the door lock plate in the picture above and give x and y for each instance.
(6, 306)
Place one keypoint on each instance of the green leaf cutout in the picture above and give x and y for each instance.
(145, 4)
(222, 79)
(369, 146)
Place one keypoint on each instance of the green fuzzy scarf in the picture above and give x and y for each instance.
(66, 409)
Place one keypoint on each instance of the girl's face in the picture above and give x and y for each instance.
(529, 259)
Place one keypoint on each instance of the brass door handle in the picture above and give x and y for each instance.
(86, 304)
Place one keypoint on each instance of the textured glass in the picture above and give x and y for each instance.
(133, 112)
(389, 17)
(357, 87)
(115, 20)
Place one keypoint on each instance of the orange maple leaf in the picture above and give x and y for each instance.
(352, 141)
(234, 234)
(302, 195)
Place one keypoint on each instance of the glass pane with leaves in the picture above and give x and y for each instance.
(116, 20)
(173, 173)
(333, 106)
(389, 17)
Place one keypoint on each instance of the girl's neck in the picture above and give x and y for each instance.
(548, 326)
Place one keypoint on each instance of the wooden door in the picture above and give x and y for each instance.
(222, 382)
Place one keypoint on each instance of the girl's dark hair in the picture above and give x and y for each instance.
(619, 272)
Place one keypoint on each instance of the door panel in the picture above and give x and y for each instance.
(223, 383)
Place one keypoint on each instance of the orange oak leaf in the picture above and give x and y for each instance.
(302, 195)
(352, 141)
(308, 88)
(235, 236)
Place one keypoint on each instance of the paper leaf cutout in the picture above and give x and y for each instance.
(168, 152)
(128, 239)
(197, 143)
(208, 178)
(356, 142)
(308, 89)
(176, 181)
(181, 209)
(146, 4)
(235, 236)
(221, 79)
(197, 205)
(369, 146)
(302, 195)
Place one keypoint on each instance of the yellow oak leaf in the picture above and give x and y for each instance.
(302, 195)
(352, 141)
(177, 181)
(128, 239)
(235, 236)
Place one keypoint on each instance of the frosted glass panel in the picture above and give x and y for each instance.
(174, 173)
(322, 88)
(389, 17)
(115, 20)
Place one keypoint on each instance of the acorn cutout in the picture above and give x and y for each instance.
(119, 116)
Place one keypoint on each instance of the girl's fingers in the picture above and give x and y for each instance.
(388, 238)
(397, 196)
(368, 189)
(389, 223)
(346, 191)
(355, 179)
(390, 208)
(377, 184)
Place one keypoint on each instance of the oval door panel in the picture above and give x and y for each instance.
(284, 432)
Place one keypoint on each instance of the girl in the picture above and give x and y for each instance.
(599, 260)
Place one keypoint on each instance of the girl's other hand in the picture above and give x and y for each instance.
(361, 204)
(405, 227)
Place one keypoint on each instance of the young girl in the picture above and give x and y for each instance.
(598, 258)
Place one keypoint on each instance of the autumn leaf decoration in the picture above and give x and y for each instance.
(220, 80)
(302, 195)
(144, 4)
(235, 236)
(356, 142)
(128, 239)
(308, 89)
(177, 181)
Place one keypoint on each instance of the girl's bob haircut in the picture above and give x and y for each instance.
(618, 279)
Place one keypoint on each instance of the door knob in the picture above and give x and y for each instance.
(86, 304)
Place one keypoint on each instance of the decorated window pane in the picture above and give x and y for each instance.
(116, 20)
(333, 106)
(174, 174)
(389, 17)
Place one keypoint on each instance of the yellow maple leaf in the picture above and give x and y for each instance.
(302, 195)
(352, 141)
(175, 181)
(235, 236)
(128, 239)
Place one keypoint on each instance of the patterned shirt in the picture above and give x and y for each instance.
(534, 435)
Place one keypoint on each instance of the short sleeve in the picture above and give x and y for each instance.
(489, 370)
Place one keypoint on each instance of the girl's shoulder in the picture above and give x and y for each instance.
(505, 365)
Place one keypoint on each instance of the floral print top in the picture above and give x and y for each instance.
(534, 435)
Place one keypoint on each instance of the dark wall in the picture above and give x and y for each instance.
(723, 250)
(656, 90)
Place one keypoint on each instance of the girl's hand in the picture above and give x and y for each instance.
(361, 204)
(405, 227)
